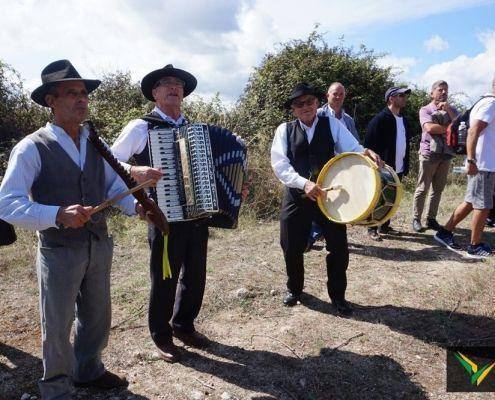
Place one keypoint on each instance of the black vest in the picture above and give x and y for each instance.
(309, 158)
(62, 183)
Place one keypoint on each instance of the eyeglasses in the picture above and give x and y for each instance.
(170, 81)
(302, 103)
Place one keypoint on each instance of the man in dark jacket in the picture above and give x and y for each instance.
(389, 135)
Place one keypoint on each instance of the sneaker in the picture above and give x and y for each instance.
(480, 250)
(432, 223)
(291, 299)
(374, 235)
(490, 222)
(443, 236)
(416, 225)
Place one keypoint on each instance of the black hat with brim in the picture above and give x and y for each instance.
(302, 89)
(56, 72)
(149, 81)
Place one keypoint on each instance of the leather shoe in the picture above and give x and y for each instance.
(169, 352)
(416, 225)
(387, 230)
(490, 222)
(342, 307)
(432, 223)
(193, 339)
(108, 380)
(291, 299)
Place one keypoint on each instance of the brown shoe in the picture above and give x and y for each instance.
(193, 339)
(169, 352)
(108, 380)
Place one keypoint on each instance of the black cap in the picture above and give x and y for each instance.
(393, 91)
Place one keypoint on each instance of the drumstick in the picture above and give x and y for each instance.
(120, 196)
(327, 189)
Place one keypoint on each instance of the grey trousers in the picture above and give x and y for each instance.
(73, 282)
(433, 170)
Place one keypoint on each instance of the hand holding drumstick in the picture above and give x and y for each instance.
(313, 191)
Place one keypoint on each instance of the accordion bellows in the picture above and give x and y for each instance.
(203, 172)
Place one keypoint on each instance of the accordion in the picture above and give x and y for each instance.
(203, 170)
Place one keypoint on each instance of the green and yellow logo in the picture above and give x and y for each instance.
(477, 375)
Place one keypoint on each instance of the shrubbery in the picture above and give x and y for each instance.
(255, 116)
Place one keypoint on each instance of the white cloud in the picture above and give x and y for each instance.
(219, 41)
(400, 65)
(470, 75)
(436, 44)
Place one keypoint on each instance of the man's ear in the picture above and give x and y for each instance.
(50, 99)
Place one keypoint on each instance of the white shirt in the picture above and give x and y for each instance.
(400, 144)
(134, 137)
(485, 148)
(16, 205)
(343, 139)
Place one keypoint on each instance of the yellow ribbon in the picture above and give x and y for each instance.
(167, 272)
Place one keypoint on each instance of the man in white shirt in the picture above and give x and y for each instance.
(300, 149)
(54, 179)
(480, 165)
(172, 310)
(389, 135)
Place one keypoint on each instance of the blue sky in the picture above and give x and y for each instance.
(221, 41)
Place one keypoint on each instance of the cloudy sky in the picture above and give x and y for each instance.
(221, 41)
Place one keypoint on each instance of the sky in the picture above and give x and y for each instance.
(222, 41)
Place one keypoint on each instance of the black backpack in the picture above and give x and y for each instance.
(452, 135)
(7, 233)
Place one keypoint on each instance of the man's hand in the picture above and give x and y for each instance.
(74, 216)
(471, 169)
(245, 189)
(375, 157)
(140, 211)
(313, 191)
(142, 174)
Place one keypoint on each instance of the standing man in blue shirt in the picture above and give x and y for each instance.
(54, 179)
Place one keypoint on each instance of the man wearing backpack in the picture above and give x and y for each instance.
(480, 165)
(434, 155)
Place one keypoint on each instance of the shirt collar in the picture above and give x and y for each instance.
(180, 121)
(307, 128)
(59, 132)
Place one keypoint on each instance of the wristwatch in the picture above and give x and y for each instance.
(471, 161)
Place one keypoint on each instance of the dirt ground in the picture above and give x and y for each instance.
(412, 298)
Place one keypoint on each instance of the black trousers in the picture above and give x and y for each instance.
(295, 224)
(175, 302)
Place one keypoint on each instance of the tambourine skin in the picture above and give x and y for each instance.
(356, 192)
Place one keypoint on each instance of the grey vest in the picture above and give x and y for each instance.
(62, 183)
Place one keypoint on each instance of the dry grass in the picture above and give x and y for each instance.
(412, 299)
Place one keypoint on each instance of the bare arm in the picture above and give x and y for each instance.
(474, 132)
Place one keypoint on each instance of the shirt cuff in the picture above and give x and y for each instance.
(300, 182)
(48, 217)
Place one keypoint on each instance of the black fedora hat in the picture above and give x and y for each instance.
(150, 80)
(302, 89)
(60, 71)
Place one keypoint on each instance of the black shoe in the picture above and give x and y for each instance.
(432, 223)
(387, 230)
(107, 381)
(193, 339)
(342, 307)
(374, 235)
(490, 222)
(291, 299)
(416, 225)
(169, 352)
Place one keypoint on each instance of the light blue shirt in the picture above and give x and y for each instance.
(345, 119)
(16, 204)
